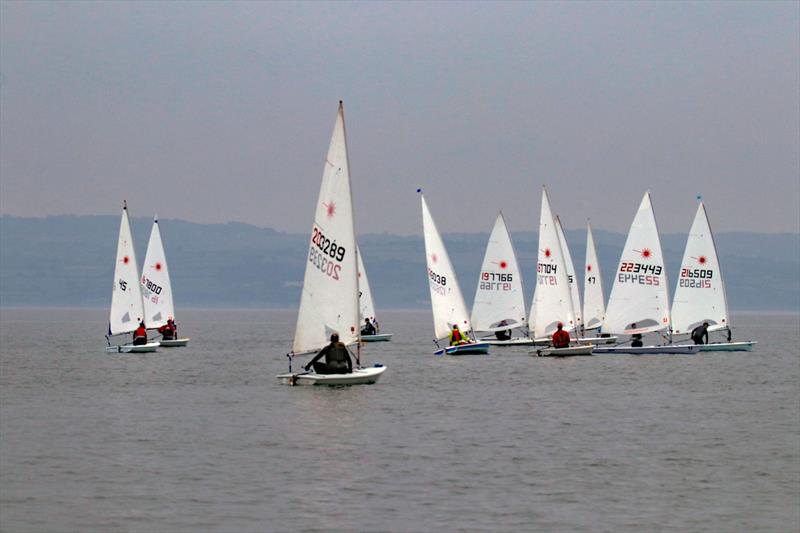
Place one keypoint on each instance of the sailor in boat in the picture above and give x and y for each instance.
(700, 334)
(140, 335)
(560, 337)
(169, 331)
(375, 325)
(503, 335)
(367, 328)
(337, 359)
(457, 338)
(636, 338)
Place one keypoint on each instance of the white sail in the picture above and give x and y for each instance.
(447, 301)
(366, 304)
(126, 294)
(594, 307)
(639, 295)
(329, 301)
(500, 297)
(552, 299)
(156, 287)
(700, 295)
(572, 278)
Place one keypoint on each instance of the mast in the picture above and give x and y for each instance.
(355, 248)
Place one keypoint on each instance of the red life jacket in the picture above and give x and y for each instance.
(140, 332)
(560, 339)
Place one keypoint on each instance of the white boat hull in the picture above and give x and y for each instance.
(493, 341)
(673, 349)
(545, 341)
(361, 376)
(741, 346)
(599, 340)
(475, 348)
(174, 343)
(130, 348)
(384, 337)
(571, 351)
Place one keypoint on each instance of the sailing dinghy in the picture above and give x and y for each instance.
(639, 301)
(594, 307)
(500, 297)
(447, 302)
(329, 301)
(157, 289)
(367, 305)
(552, 298)
(700, 294)
(126, 295)
(572, 277)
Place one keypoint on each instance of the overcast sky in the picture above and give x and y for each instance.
(216, 112)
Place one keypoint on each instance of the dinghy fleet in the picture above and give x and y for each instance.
(336, 302)
(141, 302)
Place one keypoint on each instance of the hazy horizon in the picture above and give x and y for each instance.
(216, 112)
(484, 231)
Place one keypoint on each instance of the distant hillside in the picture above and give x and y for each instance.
(68, 261)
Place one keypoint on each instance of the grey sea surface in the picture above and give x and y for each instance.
(203, 438)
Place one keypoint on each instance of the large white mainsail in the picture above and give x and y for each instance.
(639, 295)
(500, 296)
(700, 294)
(594, 307)
(447, 301)
(156, 286)
(329, 301)
(552, 299)
(366, 304)
(126, 294)
(572, 278)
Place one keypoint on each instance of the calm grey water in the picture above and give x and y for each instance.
(205, 439)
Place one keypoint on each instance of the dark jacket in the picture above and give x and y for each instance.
(336, 356)
(700, 334)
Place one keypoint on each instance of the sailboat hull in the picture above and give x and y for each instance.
(130, 348)
(174, 343)
(477, 348)
(670, 349)
(522, 341)
(565, 352)
(385, 337)
(361, 376)
(545, 341)
(742, 346)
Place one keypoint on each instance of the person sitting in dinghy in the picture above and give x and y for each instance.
(168, 331)
(457, 338)
(337, 359)
(504, 334)
(636, 338)
(560, 337)
(700, 334)
(140, 335)
(367, 328)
